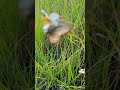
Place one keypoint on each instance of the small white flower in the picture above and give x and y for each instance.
(82, 71)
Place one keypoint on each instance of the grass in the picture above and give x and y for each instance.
(13, 39)
(102, 45)
(57, 67)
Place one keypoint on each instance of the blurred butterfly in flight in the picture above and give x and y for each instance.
(55, 27)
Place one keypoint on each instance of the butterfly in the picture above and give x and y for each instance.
(55, 27)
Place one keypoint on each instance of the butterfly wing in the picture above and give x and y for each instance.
(54, 39)
(63, 29)
(58, 33)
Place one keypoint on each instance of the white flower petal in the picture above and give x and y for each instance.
(82, 71)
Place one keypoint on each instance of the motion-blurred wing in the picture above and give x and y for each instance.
(54, 39)
(61, 30)
(56, 36)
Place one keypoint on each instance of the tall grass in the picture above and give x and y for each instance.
(13, 39)
(57, 67)
(102, 45)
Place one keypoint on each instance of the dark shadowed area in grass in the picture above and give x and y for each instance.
(16, 55)
(102, 45)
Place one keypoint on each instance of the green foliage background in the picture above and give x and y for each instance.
(57, 67)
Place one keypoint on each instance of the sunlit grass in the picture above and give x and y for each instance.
(57, 67)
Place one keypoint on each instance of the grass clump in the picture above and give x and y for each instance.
(57, 67)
